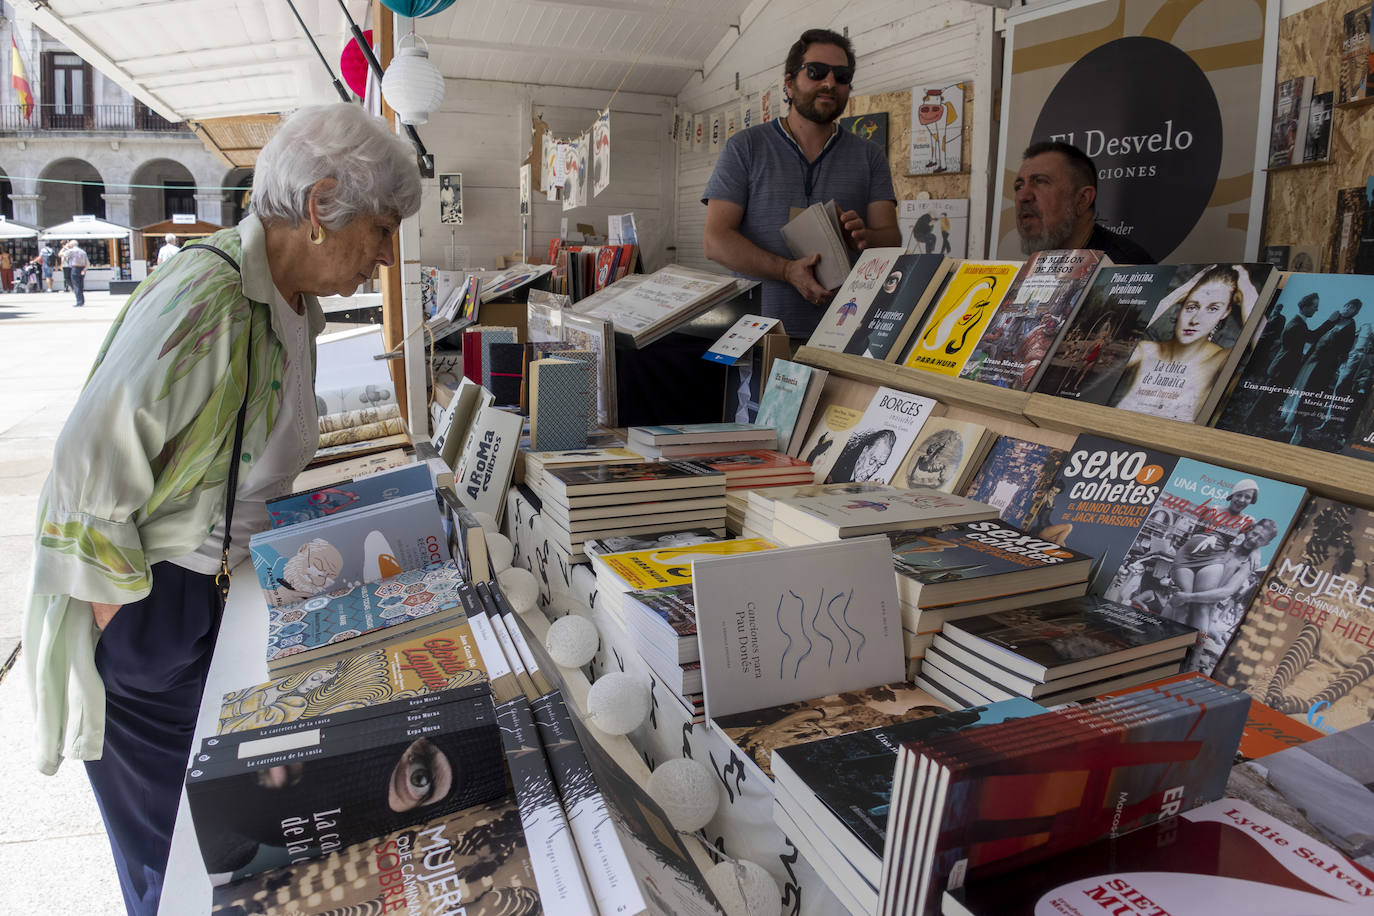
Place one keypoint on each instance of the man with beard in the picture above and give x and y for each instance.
(804, 158)
(1056, 195)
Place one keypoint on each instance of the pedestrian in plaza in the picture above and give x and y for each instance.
(201, 406)
(7, 272)
(77, 262)
(48, 259)
(62, 254)
(169, 248)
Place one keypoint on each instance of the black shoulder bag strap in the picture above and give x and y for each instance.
(236, 456)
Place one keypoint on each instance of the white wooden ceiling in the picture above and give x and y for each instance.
(198, 59)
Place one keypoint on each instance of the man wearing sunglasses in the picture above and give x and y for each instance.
(766, 171)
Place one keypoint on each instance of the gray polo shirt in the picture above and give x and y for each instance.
(764, 171)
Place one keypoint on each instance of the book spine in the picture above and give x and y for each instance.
(557, 870)
(608, 871)
(404, 707)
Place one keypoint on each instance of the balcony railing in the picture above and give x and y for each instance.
(85, 117)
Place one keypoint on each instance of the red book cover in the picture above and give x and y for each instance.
(605, 265)
(472, 355)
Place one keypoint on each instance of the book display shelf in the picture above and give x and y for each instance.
(1055, 421)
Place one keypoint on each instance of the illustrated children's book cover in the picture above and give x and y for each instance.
(953, 326)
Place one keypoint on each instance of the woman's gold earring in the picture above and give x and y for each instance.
(316, 235)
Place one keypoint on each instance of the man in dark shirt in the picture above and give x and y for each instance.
(1056, 194)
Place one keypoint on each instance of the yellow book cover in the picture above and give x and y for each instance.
(953, 327)
(665, 566)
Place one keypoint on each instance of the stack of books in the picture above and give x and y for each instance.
(831, 795)
(958, 571)
(309, 632)
(662, 624)
(753, 470)
(971, 804)
(534, 463)
(690, 439)
(1054, 653)
(1226, 856)
(581, 503)
(339, 551)
(857, 509)
(648, 593)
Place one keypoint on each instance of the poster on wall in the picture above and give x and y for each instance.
(871, 127)
(1175, 153)
(937, 129)
(768, 105)
(601, 152)
(451, 199)
(931, 226)
(526, 178)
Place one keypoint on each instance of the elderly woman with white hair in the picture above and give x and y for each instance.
(200, 407)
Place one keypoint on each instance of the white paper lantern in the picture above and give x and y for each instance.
(618, 703)
(571, 641)
(412, 85)
(744, 888)
(520, 587)
(500, 551)
(687, 791)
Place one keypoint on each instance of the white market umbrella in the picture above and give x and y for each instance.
(12, 230)
(86, 227)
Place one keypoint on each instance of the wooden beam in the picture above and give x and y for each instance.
(562, 52)
(389, 278)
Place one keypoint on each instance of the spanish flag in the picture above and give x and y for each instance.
(20, 81)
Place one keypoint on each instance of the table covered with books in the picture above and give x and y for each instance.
(743, 826)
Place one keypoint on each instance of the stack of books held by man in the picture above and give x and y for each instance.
(1054, 653)
(690, 439)
(831, 795)
(969, 805)
(858, 509)
(957, 571)
(581, 503)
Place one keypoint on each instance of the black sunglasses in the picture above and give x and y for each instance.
(815, 70)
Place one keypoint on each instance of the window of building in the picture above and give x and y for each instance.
(69, 92)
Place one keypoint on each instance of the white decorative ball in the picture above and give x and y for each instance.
(618, 703)
(571, 641)
(520, 587)
(500, 551)
(687, 792)
(488, 522)
(744, 888)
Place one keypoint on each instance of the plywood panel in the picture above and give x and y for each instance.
(1300, 203)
